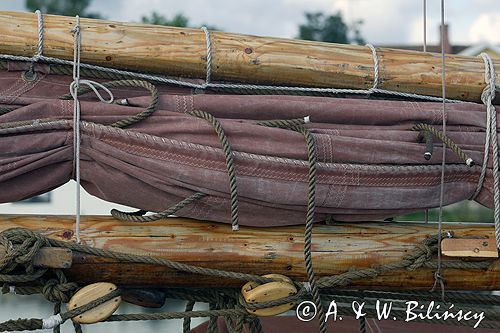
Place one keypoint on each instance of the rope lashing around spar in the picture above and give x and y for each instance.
(420, 256)
(208, 84)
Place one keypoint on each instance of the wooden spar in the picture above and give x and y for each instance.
(336, 249)
(242, 58)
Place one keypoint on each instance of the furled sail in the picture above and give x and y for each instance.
(370, 158)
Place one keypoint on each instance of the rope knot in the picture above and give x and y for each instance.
(57, 292)
(20, 246)
(422, 253)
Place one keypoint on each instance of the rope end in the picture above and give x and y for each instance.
(236, 228)
(469, 162)
(307, 120)
(52, 321)
(427, 155)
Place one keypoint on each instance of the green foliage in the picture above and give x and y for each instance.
(178, 20)
(465, 211)
(62, 7)
(332, 28)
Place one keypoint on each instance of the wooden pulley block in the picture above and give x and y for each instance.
(91, 293)
(255, 293)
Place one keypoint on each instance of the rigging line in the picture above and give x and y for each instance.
(487, 97)
(425, 25)
(438, 274)
(76, 122)
(424, 14)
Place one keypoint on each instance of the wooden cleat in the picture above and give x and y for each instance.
(469, 247)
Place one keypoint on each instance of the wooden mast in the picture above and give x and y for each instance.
(336, 249)
(242, 58)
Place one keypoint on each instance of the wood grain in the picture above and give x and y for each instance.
(336, 249)
(243, 58)
(476, 248)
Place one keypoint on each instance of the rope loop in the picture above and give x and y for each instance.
(74, 86)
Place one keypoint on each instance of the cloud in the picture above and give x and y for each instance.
(486, 28)
(385, 21)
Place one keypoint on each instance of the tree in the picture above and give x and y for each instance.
(332, 28)
(62, 7)
(178, 20)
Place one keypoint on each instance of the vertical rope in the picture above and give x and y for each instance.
(425, 25)
(487, 97)
(362, 324)
(311, 209)
(438, 274)
(76, 121)
(213, 326)
(375, 67)
(186, 324)
(209, 55)
(39, 51)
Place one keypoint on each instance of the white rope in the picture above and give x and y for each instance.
(52, 321)
(92, 85)
(425, 25)
(12, 289)
(208, 84)
(375, 66)
(39, 51)
(209, 55)
(438, 275)
(167, 80)
(76, 121)
(487, 97)
(73, 88)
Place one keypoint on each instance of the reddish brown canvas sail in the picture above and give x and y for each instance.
(370, 166)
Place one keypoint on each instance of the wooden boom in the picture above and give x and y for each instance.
(335, 249)
(242, 58)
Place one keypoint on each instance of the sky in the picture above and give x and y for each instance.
(385, 21)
